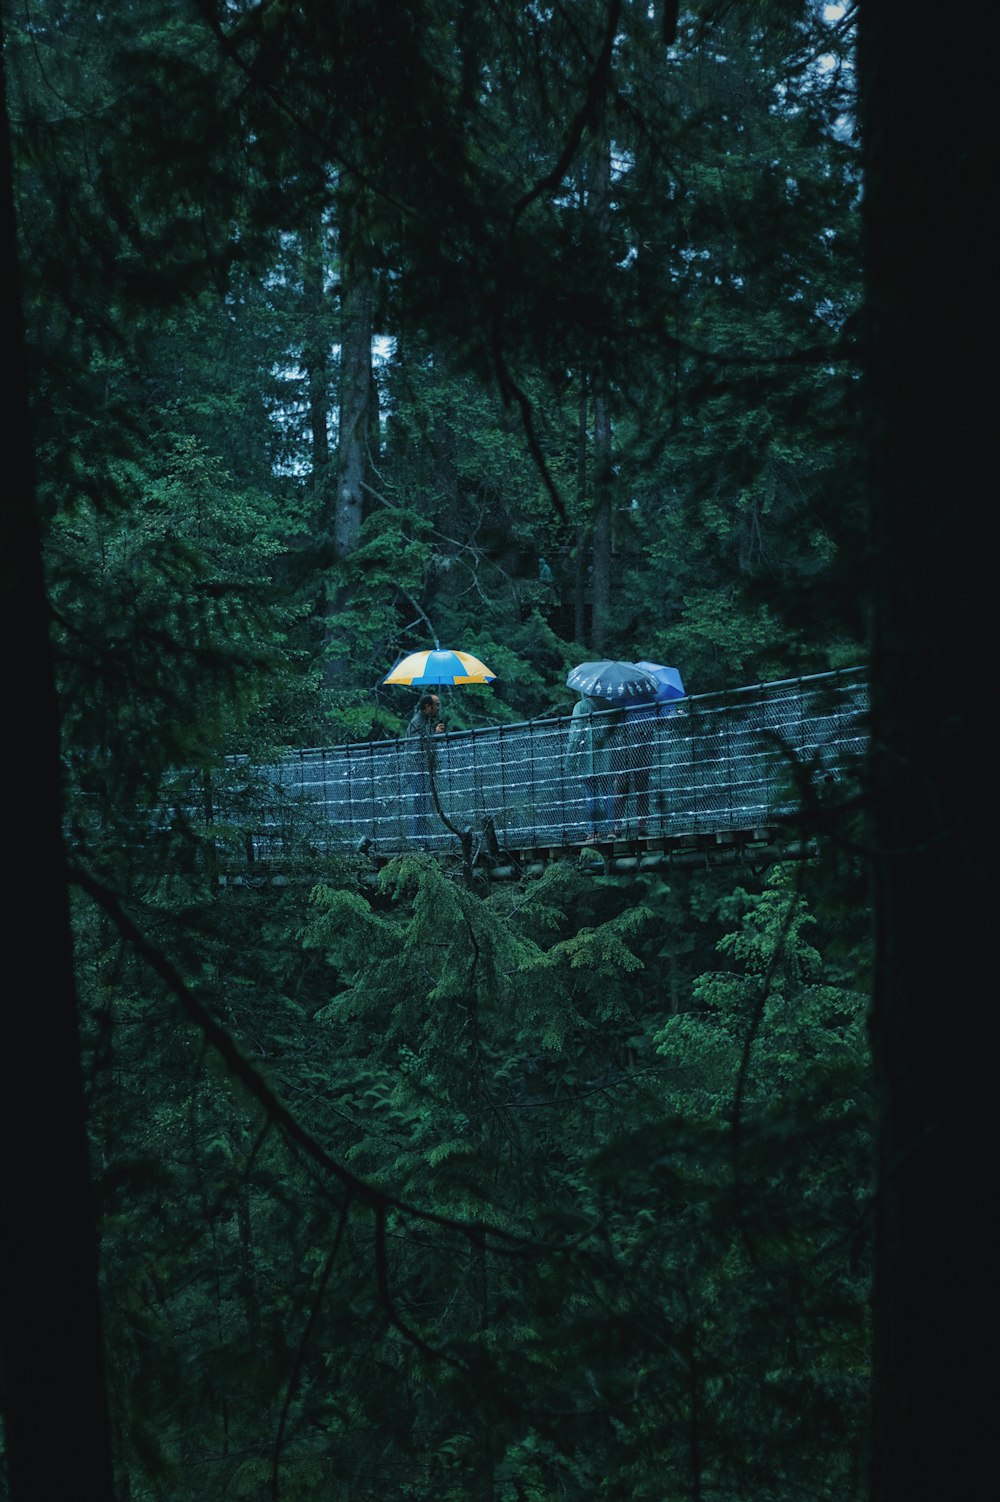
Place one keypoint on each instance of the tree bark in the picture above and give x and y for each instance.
(355, 378)
(356, 389)
(930, 169)
(602, 518)
(315, 359)
(582, 531)
(54, 1395)
(603, 473)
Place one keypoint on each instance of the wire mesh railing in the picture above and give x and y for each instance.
(707, 764)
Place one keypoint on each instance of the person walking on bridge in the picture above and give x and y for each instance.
(593, 734)
(421, 760)
(632, 774)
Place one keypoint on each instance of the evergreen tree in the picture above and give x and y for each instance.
(583, 1210)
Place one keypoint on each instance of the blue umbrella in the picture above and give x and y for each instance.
(669, 681)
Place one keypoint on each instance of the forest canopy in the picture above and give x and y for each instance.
(349, 329)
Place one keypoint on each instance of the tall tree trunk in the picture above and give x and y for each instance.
(602, 517)
(356, 382)
(932, 463)
(315, 360)
(582, 531)
(356, 388)
(54, 1396)
(603, 474)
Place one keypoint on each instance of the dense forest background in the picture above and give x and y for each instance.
(328, 324)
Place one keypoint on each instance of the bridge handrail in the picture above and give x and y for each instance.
(668, 707)
(710, 762)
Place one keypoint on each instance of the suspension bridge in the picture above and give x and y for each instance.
(710, 778)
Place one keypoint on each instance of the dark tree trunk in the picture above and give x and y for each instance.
(54, 1396)
(315, 361)
(356, 388)
(582, 532)
(355, 378)
(930, 169)
(602, 519)
(603, 473)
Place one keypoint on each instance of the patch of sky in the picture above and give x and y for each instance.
(622, 161)
(288, 412)
(383, 349)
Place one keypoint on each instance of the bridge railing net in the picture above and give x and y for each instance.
(709, 763)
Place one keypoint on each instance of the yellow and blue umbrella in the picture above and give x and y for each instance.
(434, 668)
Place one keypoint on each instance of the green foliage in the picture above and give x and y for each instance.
(592, 1275)
(432, 1192)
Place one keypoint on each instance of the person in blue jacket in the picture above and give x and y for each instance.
(635, 765)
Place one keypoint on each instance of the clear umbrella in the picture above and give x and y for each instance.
(617, 682)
